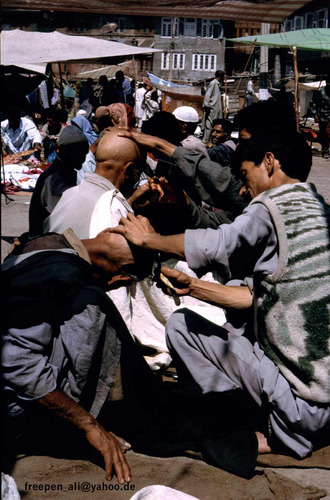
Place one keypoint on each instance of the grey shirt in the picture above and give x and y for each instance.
(246, 246)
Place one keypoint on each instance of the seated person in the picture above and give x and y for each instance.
(64, 340)
(19, 133)
(50, 133)
(222, 148)
(60, 176)
(282, 239)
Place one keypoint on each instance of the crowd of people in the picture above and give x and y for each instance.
(159, 248)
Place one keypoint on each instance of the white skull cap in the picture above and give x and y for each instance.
(186, 114)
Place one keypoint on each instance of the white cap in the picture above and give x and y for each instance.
(186, 114)
(82, 112)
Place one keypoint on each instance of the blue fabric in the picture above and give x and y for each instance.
(86, 128)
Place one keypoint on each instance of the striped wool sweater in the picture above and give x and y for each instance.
(293, 303)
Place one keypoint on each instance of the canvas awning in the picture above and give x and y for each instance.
(22, 48)
(264, 11)
(311, 39)
(108, 71)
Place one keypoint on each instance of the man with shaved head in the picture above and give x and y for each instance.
(99, 202)
(64, 343)
(118, 166)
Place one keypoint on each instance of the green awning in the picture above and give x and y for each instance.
(311, 39)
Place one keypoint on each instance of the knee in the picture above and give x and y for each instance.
(175, 326)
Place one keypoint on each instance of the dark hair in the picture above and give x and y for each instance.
(225, 124)
(164, 125)
(264, 116)
(219, 73)
(291, 150)
(143, 263)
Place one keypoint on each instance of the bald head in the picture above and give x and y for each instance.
(119, 160)
(118, 150)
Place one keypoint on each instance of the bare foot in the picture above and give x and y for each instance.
(263, 446)
(124, 445)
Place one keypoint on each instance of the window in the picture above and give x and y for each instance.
(317, 19)
(166, 29)
(206, 62)
(190, 27)
(298, 23)
(211, 29)
(288, 25)
(178, 61)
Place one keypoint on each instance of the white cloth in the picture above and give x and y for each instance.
(194, 144)
(21, 139)
(160, 492)
(139, 95)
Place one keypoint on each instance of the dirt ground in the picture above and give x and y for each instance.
(276, 477)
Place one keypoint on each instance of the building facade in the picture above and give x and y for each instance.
(193, 48)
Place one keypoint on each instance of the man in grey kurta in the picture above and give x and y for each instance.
(63, 338)
(212, 106)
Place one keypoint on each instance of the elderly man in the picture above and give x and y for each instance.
(223, 146)
(63, 339)
(282, 239)
(60, 176)
(19, 133)
(188, 120)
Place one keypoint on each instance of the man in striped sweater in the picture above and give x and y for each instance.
(281, 239)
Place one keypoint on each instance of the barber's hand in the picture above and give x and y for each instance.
(134, 229)
(107, 444)
(148, 141)
(141, 196)
(168, 194)
(180, 281)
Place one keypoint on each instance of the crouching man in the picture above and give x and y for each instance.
(63, 340)
(282, 240)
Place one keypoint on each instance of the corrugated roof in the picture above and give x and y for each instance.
(108, 71)
(272, 11)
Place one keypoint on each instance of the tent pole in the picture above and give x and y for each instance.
(296, 103)
(61, 83)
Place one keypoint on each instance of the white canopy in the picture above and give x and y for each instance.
(24, 48)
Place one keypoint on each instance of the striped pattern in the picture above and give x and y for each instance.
(293, 304)
(108, 71)
(268, 11)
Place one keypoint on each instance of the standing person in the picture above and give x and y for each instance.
(212, 107)
(321, 110)
(139, 95)
(150, 104)
(123, 88)
(249, 93)
(86, 97)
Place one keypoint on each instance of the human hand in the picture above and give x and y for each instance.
(135, 229)
(141, 196)
(167, 193)
(109, 446)
(180, 281)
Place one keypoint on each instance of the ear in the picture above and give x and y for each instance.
(269, 161)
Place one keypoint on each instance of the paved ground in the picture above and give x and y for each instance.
(277, 477)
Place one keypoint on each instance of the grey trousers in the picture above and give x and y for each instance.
(219, 361)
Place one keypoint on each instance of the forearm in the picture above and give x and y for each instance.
(233, 297)
(61, 404)
(173, 244)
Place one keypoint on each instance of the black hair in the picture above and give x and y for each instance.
(164, 125)
(265, 116)
(219, 73)
(143, 263)
(291, 150)
(225, 124)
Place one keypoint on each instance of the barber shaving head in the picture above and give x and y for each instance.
(117, 263)
(120, 161)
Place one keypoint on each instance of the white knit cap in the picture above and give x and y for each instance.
(82, 112)
(186, 114)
